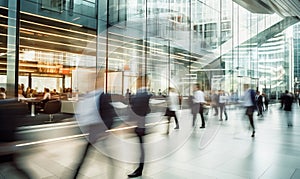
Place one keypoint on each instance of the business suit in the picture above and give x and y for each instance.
(140, 108)
(249, 104)
(288, 102)
(99, 104)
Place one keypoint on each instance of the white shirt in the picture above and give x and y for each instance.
(3, 95)
(199, 97)
(222, 98)
(47, 96)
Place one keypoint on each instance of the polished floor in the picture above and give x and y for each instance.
(223, 150)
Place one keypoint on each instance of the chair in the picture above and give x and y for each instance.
(52, 107)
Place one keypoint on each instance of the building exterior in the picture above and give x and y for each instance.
(296, 42)
(63, 44)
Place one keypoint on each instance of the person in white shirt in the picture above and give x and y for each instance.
(173, 105)
(222, 104)
(45, 99)
(198, 102)
(47, 95)
(2, 93)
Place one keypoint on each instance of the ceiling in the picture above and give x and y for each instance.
(284, 8)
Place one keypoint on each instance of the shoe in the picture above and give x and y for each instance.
(177, 127)
(220, 119)
(202, 127)
(253, 134)
(135, 174)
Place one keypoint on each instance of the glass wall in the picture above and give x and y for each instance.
(9, 34)
(296, 42)
(217, 43)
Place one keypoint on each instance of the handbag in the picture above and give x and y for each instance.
(167, 113)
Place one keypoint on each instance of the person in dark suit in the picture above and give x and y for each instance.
(266, 102)
(259, 103)
(11, 114)
(249, 104)
(98, 103)
(95, 115)
(288, 102)
(140, 108)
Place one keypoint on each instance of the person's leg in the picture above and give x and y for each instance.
(252, 124)
(216, 110)
(168, 125)
(176, 120)
(85, 152)
(225, 113)
(142, 158)
(260, 108)
(221, 111)
(249, 113)
(202, 120)
(289, 117)
(202, 116)
(194, 119)
(139, 170)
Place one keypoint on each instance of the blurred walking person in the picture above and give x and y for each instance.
(215, 102)
(249, 104)
(139, 103)
(198, 104)
(95, 116)
(266, 101)
(172, 107)
(222, 105)
(259, 103)
(288, 102)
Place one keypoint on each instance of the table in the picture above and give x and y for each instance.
(32, 102)
(69, 106)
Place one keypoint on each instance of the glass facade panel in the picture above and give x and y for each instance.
(176, 42)
(9, 47)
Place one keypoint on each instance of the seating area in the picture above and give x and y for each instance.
(51, 107)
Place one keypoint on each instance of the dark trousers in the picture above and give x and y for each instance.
(171, 114)
(140, 133)
(223, 108)
(249, 113)
(260, 109)
(215, 107)
(201, 115)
